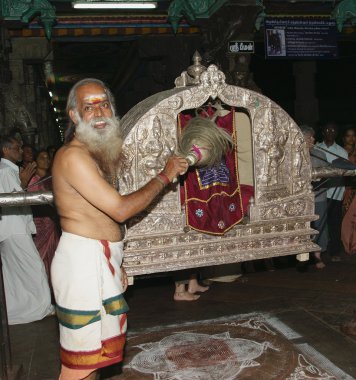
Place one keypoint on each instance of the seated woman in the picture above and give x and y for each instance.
(47, 236)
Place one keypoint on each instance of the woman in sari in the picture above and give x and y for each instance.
(47, 236)
(348, 228)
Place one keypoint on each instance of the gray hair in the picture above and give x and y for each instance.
(6, 141)
(307, 130)
(72, 96)
(72, 103)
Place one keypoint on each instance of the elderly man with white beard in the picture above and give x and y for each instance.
(87, 273)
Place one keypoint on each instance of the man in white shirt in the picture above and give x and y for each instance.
(335, 191)
(27, 292)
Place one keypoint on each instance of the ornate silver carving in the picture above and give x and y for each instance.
(280, 212)
(213, 81)
(154, 147)
(192, 75)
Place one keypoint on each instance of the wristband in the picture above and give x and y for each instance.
(160, 180)
(163, 178)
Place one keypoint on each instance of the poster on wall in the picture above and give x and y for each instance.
(303, 38)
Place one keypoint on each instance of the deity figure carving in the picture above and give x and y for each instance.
(16, 115)
(272, 143)
(299, 154)
(155, 147)
(125, 169)
(299, 162)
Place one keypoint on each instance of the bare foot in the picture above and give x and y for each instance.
(320, 265)
(197, 288)
(185, 296)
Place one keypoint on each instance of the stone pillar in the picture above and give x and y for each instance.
(306, 106)
(26, 103)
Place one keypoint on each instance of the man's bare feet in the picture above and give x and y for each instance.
(320, 265)
(194, 286)
(185, 296)
(197, 288)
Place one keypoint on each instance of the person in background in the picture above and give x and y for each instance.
(27, 292)
(349, 143)
(318, 159)
(28, 154)
(51, 151)
(335, 192)
(45, 217)
(348, 227)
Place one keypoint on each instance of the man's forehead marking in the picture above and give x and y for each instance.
(95, 98)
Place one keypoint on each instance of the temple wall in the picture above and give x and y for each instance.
(26, 101)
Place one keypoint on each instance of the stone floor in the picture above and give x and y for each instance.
(314, 303)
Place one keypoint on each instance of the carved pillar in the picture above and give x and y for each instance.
(27, 102)
(235, 21)
(306, 104)
(5, 73)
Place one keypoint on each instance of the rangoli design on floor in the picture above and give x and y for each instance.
(254, 347)
(199, 356)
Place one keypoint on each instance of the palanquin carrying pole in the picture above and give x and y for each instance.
(23, 198)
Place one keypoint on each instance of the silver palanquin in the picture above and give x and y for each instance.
(278, 224)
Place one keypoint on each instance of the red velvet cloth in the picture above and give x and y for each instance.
(212, 197)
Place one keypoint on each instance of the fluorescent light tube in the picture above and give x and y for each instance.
(114, 5)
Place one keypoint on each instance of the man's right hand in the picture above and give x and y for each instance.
(175, 166)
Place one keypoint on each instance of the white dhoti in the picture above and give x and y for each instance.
(91, 310)
(27, 292)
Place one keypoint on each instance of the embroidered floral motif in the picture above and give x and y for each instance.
(199, 212)
(221, 224)
(232, 207)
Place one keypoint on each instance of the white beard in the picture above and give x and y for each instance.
(105, 145)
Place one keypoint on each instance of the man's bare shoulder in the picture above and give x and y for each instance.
(75, 167)
(72, 155)
(71, 150)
